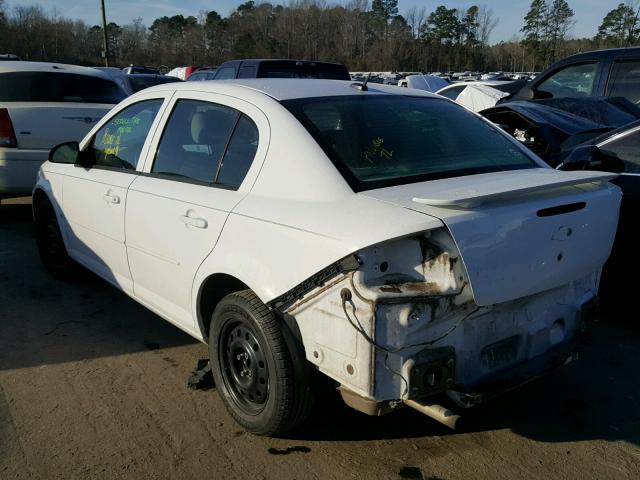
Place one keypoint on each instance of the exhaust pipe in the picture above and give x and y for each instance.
(435, 411)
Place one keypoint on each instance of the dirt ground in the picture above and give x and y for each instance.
(92, 385)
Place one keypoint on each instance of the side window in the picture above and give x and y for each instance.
(194, 140)
(453, 93)
(571, 81)
(624, 81)
(119, 142)
(625, 150)
(226, 73)
(240, 153)
(247, 72)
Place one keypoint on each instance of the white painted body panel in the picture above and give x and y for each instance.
(94, 206)
(508, 250)
(295, 215)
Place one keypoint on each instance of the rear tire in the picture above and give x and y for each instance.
(257, 366)
(51, 248)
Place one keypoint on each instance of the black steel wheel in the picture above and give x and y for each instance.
(51, 248)
(259, 369)
(243, 366)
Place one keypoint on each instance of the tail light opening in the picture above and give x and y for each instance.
(7, 134)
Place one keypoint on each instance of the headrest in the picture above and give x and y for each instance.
(203, 125)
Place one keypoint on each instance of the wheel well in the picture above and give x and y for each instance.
(38, 197)
(214, 289)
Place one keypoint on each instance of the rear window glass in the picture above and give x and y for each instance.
(226, 73)
(141, 82)
(325, 71)
(382, 140)
(247, 72)
(58, 87)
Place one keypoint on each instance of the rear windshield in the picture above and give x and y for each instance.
(57, 87)
(326, 71)
(383, 140)
(141, 82)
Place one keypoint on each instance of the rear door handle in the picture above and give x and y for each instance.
(111, 198)
(191, 219)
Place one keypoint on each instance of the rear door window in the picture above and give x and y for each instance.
(624, 81)
(58, 87)
(240, 153)
(194, 141)
(119, 142)
(570, 81)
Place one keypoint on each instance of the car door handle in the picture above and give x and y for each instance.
(191, 219)
(111, 198)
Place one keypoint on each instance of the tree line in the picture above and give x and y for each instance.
(364, 35)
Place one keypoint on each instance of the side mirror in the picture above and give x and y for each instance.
(541, 94)
(70, 153)
(65, 153)
(581, 158)
(526, 93)
(590, 157)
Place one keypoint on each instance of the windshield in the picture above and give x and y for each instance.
(382, 140)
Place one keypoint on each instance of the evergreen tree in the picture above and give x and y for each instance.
(443, 25)
(558, 23)
(534, 29)
(620, 26)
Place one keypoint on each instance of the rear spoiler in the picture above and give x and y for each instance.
(500, 189)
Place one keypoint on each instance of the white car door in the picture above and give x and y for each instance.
(94, 196)
(198, 168)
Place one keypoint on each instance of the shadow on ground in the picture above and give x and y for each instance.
(597, 397)
(46, 321)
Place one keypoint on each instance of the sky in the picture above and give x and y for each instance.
(588, 13)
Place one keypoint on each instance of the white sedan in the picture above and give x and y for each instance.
(390, 239)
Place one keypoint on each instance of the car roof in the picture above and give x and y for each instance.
(22, 66)
(289, 89)
(602, 54)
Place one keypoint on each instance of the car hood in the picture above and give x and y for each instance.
(574, 115)
(520, 232)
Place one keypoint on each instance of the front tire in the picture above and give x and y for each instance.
(51, 248)
(257, 371)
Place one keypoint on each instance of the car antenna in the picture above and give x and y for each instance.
(362, 86)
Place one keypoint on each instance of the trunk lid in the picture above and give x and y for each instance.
(44, 125)
(520, 232)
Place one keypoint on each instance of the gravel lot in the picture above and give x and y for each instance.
(92, 385)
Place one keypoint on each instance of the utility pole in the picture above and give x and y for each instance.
(104, 35)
